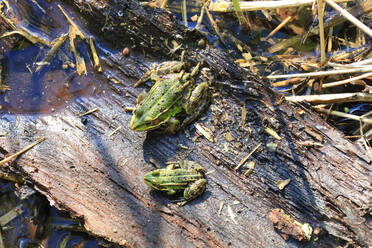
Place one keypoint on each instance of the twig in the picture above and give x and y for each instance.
(338, 83)
(96, 61)
(57, 43)
(21, 151)
(200, 19)
(9, 216)
(80, 62)
(38, 5)
(13, 177)
(322, 73)
(33, 38)
(329, 43)
(350, 17)
(338, 66)
(206, 132)
(287, 82)
(211, 20)
(363, 62)
(164, 4)
(220, 208)
(246, 157)
(321, 31)
(332, 98)
(184, 13)
(115, 131)
(344, 115)
(282, 24)
(73, 24)
(273, 133)
(224, 6)
(89, 112)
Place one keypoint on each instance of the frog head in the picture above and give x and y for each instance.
(152, 179)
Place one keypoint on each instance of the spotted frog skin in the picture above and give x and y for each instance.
(188, 178)
(173, 94)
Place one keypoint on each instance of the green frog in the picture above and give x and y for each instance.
(173, 94)
(188, 178)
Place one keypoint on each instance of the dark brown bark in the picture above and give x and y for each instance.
(101, 182)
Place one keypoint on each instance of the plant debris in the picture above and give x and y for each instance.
(281, 184)
(288, 227)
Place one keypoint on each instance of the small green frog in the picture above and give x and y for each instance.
(174, 93)
(188, 178)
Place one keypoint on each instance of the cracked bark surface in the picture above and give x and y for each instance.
(100, 180)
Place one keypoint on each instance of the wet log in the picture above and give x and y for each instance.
(97, 177)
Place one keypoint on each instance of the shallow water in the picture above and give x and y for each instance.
(47, 90)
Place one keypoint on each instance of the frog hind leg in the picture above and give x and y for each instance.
(195, 189)
(191, 165)
(197, 101)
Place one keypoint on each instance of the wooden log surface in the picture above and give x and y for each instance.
(98, 177)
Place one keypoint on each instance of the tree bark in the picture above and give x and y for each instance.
(98, 177)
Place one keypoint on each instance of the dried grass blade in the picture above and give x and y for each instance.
(349, 80)
(332, 98)
(322, 73)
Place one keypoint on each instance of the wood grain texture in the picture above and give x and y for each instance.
(98, 178)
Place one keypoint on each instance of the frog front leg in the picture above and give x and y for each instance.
(196, 102)
(195, 189)
(173, 125)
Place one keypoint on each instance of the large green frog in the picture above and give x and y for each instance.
(188, 178)
(174, 93)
